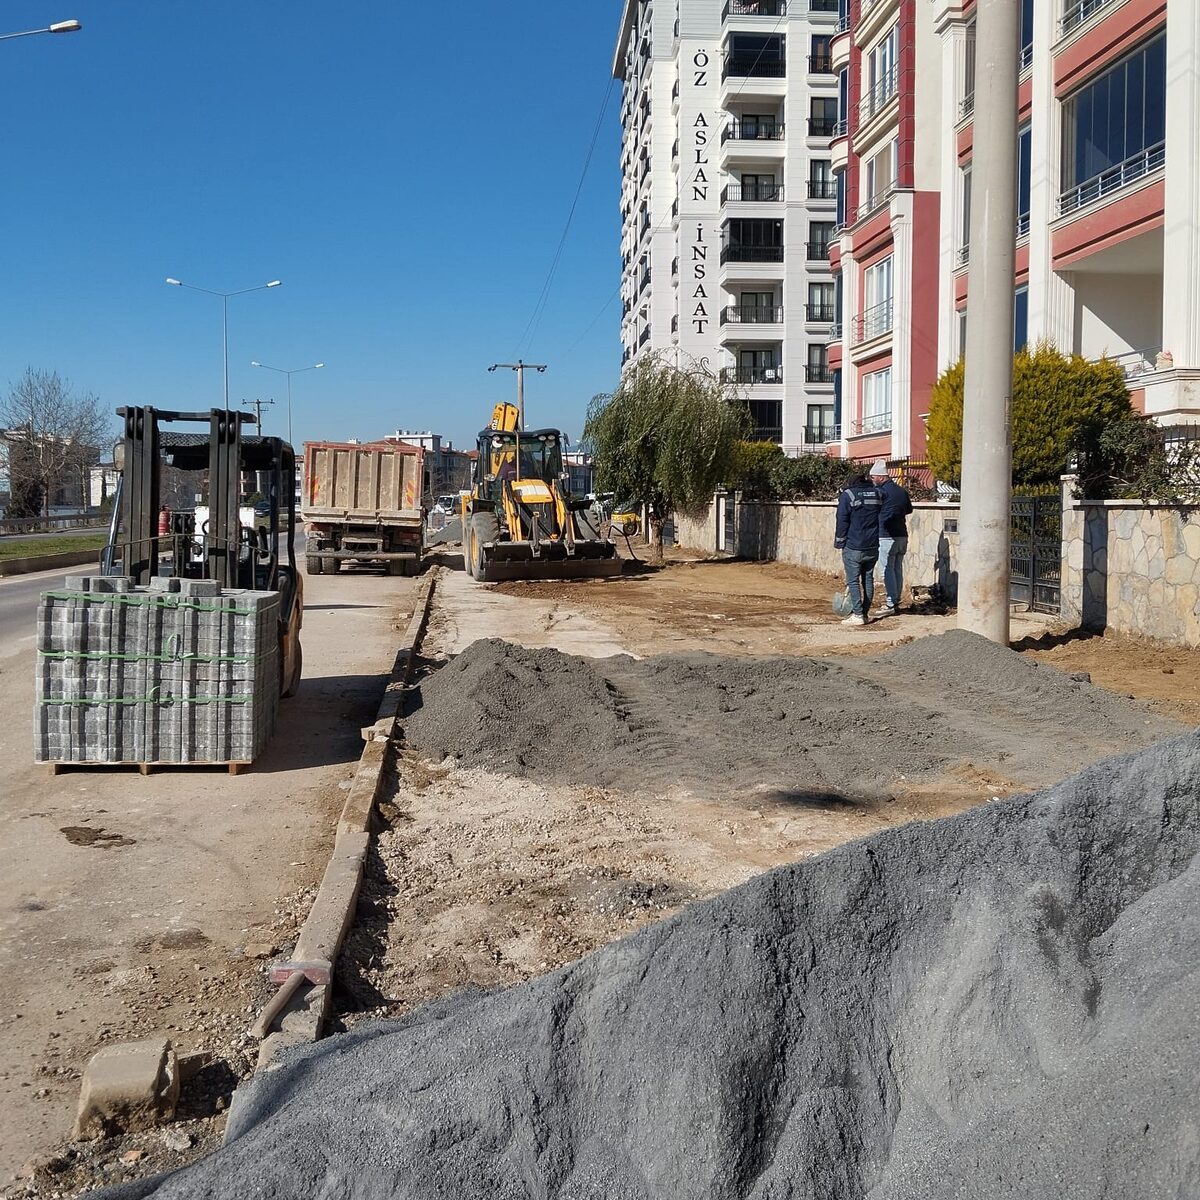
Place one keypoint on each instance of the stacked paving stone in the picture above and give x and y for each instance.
(182, 671)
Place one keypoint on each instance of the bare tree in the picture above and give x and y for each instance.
(54, 436)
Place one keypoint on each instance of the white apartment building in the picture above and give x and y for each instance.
(727, 198)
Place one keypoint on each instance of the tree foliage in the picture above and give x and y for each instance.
(1138, 459)
(667, 437)
(53, 436)
(1061, 405)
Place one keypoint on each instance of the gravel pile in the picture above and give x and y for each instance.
(1003, 1004)
(797, 727)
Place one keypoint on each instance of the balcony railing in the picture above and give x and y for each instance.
(963, 255)
(879, 422)
(819, 314)
(1124, 173)
(674, 208)
(821, 435)
(843, 24)
(1026, 57)
(841, 127)
(817, 251)
(754, 8)
(835, 332)
(751, 193)
(873, 203)
(966, 106)
(1075, 12)
(820, 64)
(1023, 225)
(821, 126)
(822, 189)
(675, 149)
(750, 254)
(814, 374)
(871, 323)
(876, 97)
(751, 375)
(644, 336)
(757, 131)
(644, 282)
(752, 314)
(747, 67)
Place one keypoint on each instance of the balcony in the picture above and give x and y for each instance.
(822, 189)
(820, 64)
(819, 436)
(835, 332)
(1075, 12)
(962, 256)
(644, 336)
(1113, 180)
(966, 106)
(817, 251)
(877, 97)
(752, 254)
(751, 375)
(819, 314)
(754, 8)
(752, 314)
(756, 131)
(822, 126)
(675, 265)
(1022, 225)
(751, 193)
(872, 323)
(815, 374)
(675, 323)
(748, 67)
(644, 282)
(879, 422)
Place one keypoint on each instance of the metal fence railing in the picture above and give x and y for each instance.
(12, 526)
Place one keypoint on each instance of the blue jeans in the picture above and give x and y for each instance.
(860, 578)
(891, 554)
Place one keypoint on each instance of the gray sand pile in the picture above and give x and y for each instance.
(1001, 1004)
(797, 726)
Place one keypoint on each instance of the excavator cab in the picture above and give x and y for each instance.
(183, 509)
(520, 520)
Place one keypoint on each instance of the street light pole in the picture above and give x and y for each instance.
(289, 374)
(225, 324)
(520, 368)
(57, 27)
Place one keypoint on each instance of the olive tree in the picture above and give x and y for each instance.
(667, 438)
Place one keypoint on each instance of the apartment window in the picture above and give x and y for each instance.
(819, 425)
(822, 116)
(821, 301)
(820, 179)
(753, 126)
(759, 365)
(766, 417)
(964, 231)
(877, 299)
(1026, 33)
(819, 53)
(755, 55)
(881, 71)
(877, 401)
(962, 332)
(1116, 121)
(757, 307)
(967, 103)
(839, 209)
(759, 187)
(817, 368)
(1020, 319)
(879, 174)
(843, 99)
(819, 235)
(1024, 141)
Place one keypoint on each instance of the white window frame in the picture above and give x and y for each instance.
(878, 284)
(876, 416)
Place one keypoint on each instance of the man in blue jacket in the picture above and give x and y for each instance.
(893, 534)
(857, 536)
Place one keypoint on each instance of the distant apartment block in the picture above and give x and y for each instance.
(1108, 199)
(727, 199)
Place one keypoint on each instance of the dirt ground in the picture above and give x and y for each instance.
(132, 906)
(484, 879)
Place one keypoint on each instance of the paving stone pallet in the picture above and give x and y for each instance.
(181, 671)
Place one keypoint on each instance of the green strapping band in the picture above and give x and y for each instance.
(163, 658)
(148, 600)
(104, 700)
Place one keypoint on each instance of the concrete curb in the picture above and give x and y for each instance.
(47, 562)
(296, 1015)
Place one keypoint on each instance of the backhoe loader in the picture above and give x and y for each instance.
(519, 520)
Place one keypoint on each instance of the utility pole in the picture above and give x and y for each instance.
(259, 405)
(984, 523)
(520, 368)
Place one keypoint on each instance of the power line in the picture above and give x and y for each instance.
(544, 296)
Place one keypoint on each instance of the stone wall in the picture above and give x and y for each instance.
(1132, 567)
(801, 533)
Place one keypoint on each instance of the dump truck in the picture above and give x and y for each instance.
(361, 503)
(520, 520)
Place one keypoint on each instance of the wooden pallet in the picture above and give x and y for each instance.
(146, 768)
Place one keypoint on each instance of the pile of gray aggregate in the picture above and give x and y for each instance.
(1000, 1004)
(801, 726)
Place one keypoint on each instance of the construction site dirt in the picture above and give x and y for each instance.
(557, 792)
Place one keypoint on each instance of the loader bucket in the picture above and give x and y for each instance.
(516, 560)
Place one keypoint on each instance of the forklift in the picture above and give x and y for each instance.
(224, 540)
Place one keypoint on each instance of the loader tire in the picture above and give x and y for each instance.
(484, 528)
(292, 686)
(312, 564)
(329, 564)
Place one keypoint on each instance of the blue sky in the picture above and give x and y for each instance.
(404, 168)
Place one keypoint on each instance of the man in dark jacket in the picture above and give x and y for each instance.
(857, 537)
(893, 535)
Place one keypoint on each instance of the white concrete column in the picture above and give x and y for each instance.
(983, 561)
(902, 323)
(954, 49)
(1181, 231)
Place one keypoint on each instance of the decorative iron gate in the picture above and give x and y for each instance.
(1035, 578)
